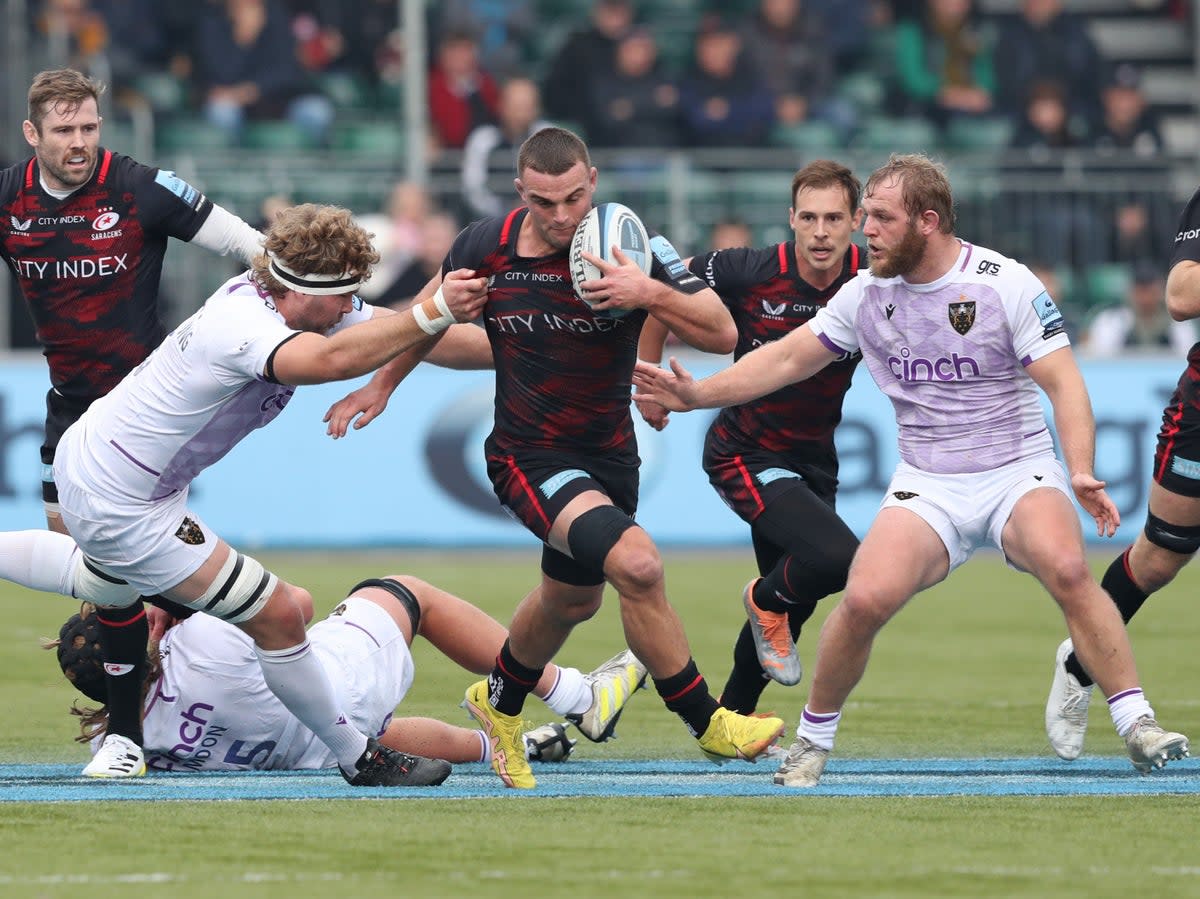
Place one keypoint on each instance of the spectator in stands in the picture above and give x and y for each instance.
(504, 27)
(494, 146)
(1046, 43)
(1045, 124)
(787, 42)
(438, 231)
(155, 36)
(849, 29)
(462, 94)
(1128, 122)
(1049, 215)
(1129, 146)
(72, 34)
(397, 233)
(586, 54)
(943, 63)
(248, 69)
(724, 99)
(730, 232)
(636, 103)
(1142, 324)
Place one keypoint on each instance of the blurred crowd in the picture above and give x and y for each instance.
(741, 73)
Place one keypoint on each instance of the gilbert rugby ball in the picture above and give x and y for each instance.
(606, 226)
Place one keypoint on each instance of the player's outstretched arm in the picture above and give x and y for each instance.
(795, 357)
(1058, 375)
(651, 342)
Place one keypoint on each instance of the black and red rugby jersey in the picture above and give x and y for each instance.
(768, 300)
(89, 266)
(1187, 249)
(564, 374)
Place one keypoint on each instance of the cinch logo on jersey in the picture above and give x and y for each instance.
(100, 267)
(954, 367)
(196, 738)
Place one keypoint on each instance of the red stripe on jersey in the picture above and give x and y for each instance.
(749, 481)
(29, 175)
(853, 257)
(783, 260)
(104, 164)
(529, 491)
(508, 220)
(1171, 429)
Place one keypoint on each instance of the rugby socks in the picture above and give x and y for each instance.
(1128, 596)
(571, 693)
(510, 682)
(40, 560)
(747, 680)
(298, 678)
(123, 636)
(819, 728)
(686, 694)
(1127, 707)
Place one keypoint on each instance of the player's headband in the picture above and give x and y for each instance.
(315, 285)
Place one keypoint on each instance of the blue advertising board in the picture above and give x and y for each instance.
(415, 476)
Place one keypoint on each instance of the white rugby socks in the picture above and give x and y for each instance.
(571, 693)
(299, 679)
(40, 559)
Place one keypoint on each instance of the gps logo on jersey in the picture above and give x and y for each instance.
(774, 310)
(962, 315)
(19, 225)
(945, 368)
(105, 220)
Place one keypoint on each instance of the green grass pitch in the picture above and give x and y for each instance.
(961, 672)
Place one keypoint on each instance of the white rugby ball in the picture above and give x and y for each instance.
(606, 226)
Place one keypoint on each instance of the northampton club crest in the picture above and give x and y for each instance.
(962, 315)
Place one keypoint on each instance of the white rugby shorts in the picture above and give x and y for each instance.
(971, 509)
(153, 546)
(368, 661)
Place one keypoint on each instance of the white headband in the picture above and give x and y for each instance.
(314, 285)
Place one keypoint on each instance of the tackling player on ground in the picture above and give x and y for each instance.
(85, 231)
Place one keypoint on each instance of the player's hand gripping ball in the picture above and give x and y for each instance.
(606, 226)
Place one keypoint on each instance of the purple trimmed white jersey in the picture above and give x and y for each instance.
(951, 357)
(211, 710)
(192, 400)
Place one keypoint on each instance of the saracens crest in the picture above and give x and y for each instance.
(962, 314)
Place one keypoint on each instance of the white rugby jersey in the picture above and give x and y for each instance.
(212, 710)
(951, 357)
(193, 399)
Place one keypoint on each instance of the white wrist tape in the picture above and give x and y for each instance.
(444, 318)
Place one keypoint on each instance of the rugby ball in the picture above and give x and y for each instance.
(606, 226)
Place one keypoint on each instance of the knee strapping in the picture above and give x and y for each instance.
(594, 533)
(402, 594)
(239, 591)
(1172, 537)
(100, 588)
